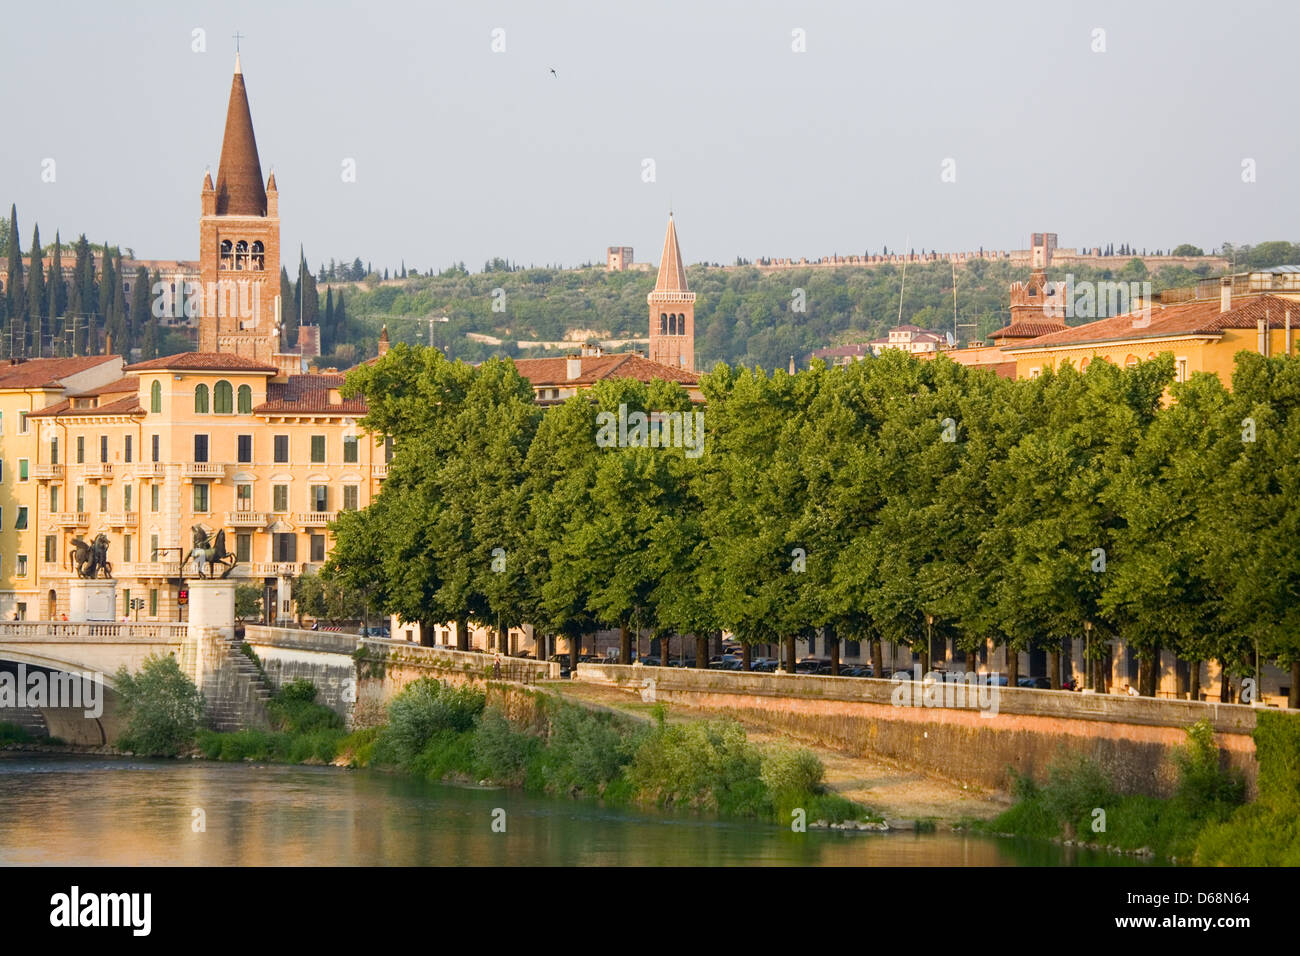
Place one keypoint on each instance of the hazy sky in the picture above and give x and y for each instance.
(464, 154)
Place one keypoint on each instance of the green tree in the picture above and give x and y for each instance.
(161, 707)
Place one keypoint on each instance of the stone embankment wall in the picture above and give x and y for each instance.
(1134, 739)
(322, 657)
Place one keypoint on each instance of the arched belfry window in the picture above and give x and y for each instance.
(241, 255)
(663, 323)
(155, 398)
(227, 255)
(259, 257)
(223, 399)
(201, 399)
(245, 400)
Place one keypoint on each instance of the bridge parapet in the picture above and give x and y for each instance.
(92, 632)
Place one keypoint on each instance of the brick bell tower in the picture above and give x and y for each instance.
(239, 244)
(672, 309)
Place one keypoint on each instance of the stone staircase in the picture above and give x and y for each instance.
(238, 701)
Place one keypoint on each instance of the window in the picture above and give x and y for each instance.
(285, 547)
(22, 469)
(318, 449)
(320, 497)
(153, 602)
(155, 399)
(388, 450)
(126, 601)
(81, 498)
(54, 498)
(127, 495)
(243, 548)
(350, 449)
(155, 496)
(81, 449)
(154, 443)
(153, 547)
(223, 398)
(54, 451)
(243, 497)
(281, 449)
(103, 448)
(279, 497)
(51, 548)
(201, 497)
(126, 448)
(126, 547)
(21, 568)
(22, 423)
(351, 495)
(318, 547)
(245, 400)
(200, 399)
(245, 443)
(200, 448)
(21, 523)
(103, 498)
(1181, 368)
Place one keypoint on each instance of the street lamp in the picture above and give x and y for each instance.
(1089, 678)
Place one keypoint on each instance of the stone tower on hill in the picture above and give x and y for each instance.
(672, 309)
(239, 245)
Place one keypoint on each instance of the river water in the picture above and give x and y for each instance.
(91, 811)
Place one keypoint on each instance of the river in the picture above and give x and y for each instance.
(92, 811)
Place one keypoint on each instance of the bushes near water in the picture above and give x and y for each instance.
(1078, 802)
(14, 734)
(442, 732)
(161, 706)
(302, 731)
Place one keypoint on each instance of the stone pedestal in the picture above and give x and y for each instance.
(92, 599)
(212, 607)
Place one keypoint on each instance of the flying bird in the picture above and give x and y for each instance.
(554, 74)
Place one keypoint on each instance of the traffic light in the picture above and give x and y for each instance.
(183, 596)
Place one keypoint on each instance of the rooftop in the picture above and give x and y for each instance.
(202, 362)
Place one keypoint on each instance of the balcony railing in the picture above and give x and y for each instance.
(71, 519)
(379, 471)
(47, 472)
(148, 569)
(203, 469)
(247, 519)
(123, 519)
(314, 519)
(52, 568)
(150, 469)
(96, 470)
(277, 568)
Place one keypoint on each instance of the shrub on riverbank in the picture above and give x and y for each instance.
(303, 731)
(14, 734)
(438, 732)
(1266, 832)
(1078, 802)
(161, 706)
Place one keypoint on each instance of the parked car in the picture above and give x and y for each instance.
(1035, 683)
(767, 666)
(650, 661)
(810, 665)
(376, 630)
(995, 679)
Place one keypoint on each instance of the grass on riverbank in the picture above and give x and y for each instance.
(1204, 821)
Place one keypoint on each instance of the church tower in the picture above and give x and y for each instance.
(672, 309)
(239, 244)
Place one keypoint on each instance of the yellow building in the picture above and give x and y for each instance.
(1202, 335)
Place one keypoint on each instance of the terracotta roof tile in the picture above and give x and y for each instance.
(202, 362)
(128, 405)
(1028, 329)
(308, 394)
(1202, 317)
(34, 373)
(549, 372)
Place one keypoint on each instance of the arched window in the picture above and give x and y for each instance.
(201, 399)
(223, 398)
(1131, 361)
(155, 398)
(227, 255)
(259, 257)
(1084, 362)
(663, 323)
(241, 255)
(672, 323)
(245, 400)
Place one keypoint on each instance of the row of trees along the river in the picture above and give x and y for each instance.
(930, 500)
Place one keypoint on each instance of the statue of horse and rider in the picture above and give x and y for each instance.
(209, 554)
(90, 558)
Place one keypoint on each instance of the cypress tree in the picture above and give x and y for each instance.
(141, 290)
(327, 340)
(105, 299)
(35, 297)
(15, 298)
(56, 295)
(340, 321)
(117, 314)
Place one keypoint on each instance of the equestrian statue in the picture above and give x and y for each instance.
(90, 558)
(208, 554)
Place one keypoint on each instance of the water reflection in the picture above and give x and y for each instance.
(92, 811)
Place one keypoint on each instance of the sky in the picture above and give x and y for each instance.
(773, 128)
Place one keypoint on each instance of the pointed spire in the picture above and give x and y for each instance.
(672, 273)
(238, 69)
(270, 183)
(207, 180)
(239, 174)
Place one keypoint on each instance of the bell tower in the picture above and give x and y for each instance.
(672, 309)
(239, 244)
